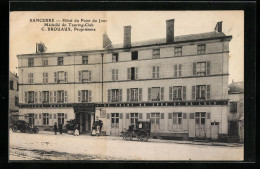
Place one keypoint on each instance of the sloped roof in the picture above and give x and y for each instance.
(181, 38)
(236, 87)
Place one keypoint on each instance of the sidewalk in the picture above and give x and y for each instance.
(150, 140)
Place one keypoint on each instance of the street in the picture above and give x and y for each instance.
(47, 146)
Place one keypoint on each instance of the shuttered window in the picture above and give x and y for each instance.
(156, 72)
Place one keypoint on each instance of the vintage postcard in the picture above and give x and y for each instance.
(126, 85)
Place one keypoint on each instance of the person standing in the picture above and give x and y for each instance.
(60, 128)
(55, 128)
(76, 132)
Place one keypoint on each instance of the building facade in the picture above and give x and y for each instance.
(179, 83)
(13, 97)
(236, 113)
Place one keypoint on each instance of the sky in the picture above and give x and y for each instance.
(145, 25)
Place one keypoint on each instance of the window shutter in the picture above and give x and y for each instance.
(65, 115)
(116, 74)
(113, 74)
(54, 116)
(55, 77)
(79, 96)
(193, 92)
(55, 97)
(184, 115)
(184, 93)
(191, 115)
(43, 77)
(89, 96)
(162, 93)
(108, 115)
(128, 95)
(29, 78)
(158, 71)
(170, 93)
(40, 97)
(108, 95)
(32, 77)
(180, 69)
(35, 97)
(140, 92)
(89, 75)
(51, 97)
(50, 116)
(128, 73)
(136, 73)
(194, 69)
(208, 115)
(140, 115)
(149, 94)
(120, 95)
(66, 96)
(208, 91)
(35, 116)
(121, 115)
(80, 79)
(153, 72)
(127, 116)
(162, 115)
(25, 97)
(65, 77)
(46, 77)
(208, 67)
(148, 116)
(40, 116)
(169, 115)
(175, 70)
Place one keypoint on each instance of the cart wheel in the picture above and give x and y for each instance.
(14, 129)
(128, 136)
(36, 130)
(28, 130)
(142, 135)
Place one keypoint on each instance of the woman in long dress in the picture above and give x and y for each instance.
(76, 132)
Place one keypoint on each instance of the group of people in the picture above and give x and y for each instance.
(56, 128)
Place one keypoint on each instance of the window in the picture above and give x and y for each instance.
(134, 55)
(134, 94)
(201, 92)
(31, 118)
(178, 70)
(200, 119)
(133, 118)
(177, 93)
(178, 51)
(60, 60)
(132, 73)
(60, 96)
(156, 72)
(156, 53)
(155, 94)
(62, 77)
(30, 78)
(114, 118)
(177, 120)
(11, 85)
(30, 62)
(84, 96)
(233, 107)
(115, 57)
(45, 77)
(115, 95)
(45, 118)
(84, 60)
(44, 62)
(201, 68)
(86, 76)
(60, 118)
(201, 49)
(45, 96)
(16, 101)
(30, 97)
(114, 74)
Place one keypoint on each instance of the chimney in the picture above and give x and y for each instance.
(127, 36)
(170, 31)
(218, 27)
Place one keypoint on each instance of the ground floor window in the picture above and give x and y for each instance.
(177, 120)
(133, 118)
(45, 117)
(60, 118)
(115, 118)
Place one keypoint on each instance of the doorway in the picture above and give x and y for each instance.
(200, 119)
(214, 129)
(115, 124)
(155, 122)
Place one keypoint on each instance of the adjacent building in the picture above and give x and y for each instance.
(236, 113)
(13, 97)
(178, 83)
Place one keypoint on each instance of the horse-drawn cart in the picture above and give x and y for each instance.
(141, 130)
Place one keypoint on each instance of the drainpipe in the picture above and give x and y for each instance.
(102, 55)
